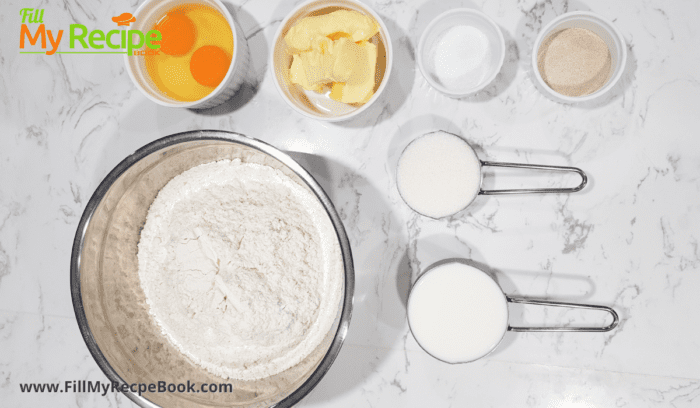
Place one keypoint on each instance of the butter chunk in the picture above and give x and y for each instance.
(337, 91)
(312, 69)
(359, 26)
(359, 86)
(297, 74)
(348, 56)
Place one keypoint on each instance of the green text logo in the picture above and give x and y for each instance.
(84, 41)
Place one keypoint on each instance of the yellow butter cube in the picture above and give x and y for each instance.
(357, 25)
(339, 63)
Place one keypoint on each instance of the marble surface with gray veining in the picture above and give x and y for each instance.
(628, 240)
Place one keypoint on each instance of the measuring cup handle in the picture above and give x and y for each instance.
(584, 179)
(607, 328)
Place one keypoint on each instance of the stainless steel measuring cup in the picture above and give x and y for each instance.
(469, 197)
(425, 334)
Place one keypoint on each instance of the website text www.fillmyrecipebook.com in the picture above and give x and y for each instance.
(105, 387)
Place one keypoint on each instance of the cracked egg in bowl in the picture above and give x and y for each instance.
(201, 58)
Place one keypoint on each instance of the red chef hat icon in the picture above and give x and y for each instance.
(124, 19)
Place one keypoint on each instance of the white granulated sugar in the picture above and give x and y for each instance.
(461, 57)
(241, 268)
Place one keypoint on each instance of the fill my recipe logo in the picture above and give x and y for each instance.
(84, 41)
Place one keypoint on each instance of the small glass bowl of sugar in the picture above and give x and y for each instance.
(460, 52)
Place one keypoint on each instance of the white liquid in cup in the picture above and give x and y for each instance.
(457, 313)
(438, 174)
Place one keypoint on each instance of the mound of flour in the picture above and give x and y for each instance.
(241, 268)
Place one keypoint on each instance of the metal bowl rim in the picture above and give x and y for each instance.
(225, 136)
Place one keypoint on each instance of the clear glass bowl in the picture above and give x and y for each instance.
(110, 305)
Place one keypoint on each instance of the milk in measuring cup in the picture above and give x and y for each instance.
(438, 174)
(457, 313)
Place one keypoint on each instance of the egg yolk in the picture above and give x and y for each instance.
(209, 65)
(178, 34)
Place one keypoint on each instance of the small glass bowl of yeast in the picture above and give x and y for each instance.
(439, 174)
(303, 41)
(569, 61)
(203, 57)
(458, 313)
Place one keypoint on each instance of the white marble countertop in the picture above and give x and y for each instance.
(629, 240)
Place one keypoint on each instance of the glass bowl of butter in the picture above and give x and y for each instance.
(331, 59)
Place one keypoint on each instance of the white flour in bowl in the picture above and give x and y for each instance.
(241, 268)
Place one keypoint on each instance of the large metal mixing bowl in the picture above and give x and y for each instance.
(110, 305)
